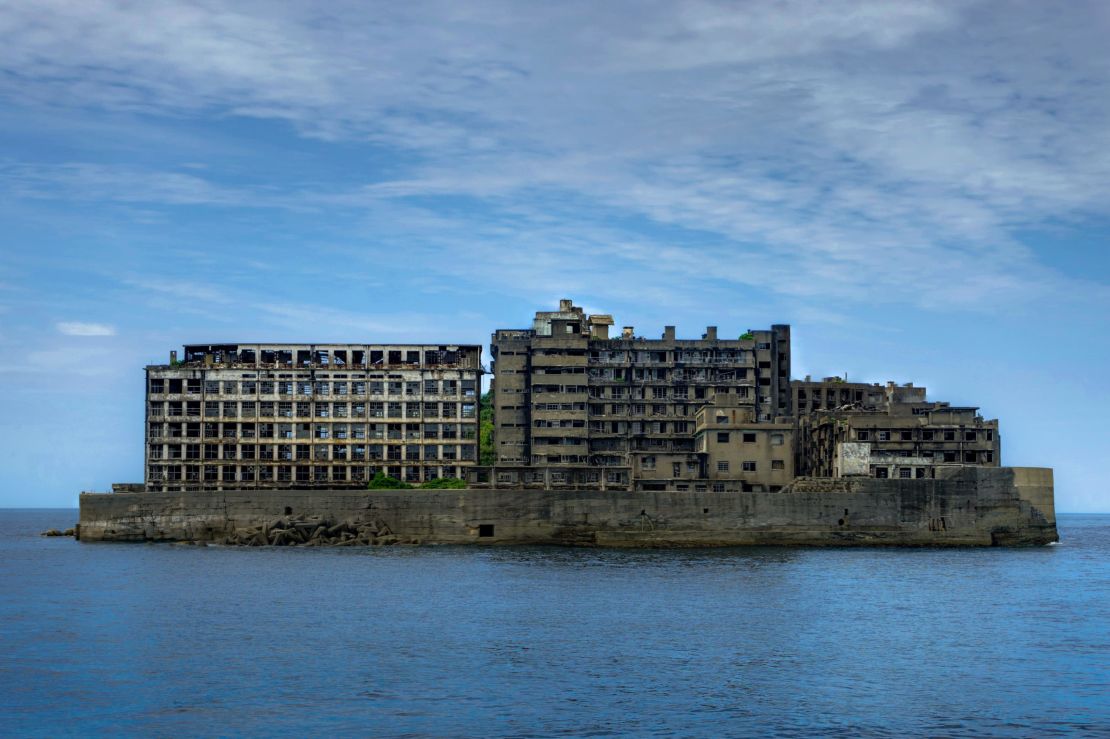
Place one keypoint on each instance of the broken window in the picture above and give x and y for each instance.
(748, 466)
(723, 437)
(778, 464)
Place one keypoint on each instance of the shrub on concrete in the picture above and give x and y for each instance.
(383, 481)
(441, 483)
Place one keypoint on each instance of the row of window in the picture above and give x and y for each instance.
(279, 452)
(159, 385)
(305, 409)
(162, 474)
(693, 356)
(313, 431)
(776, 464)
(924, 435)
(749, 437)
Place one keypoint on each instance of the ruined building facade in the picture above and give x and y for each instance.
(904, 436)
(243, 416)
(566, 394)
(575, 408)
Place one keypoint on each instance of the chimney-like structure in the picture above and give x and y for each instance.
(668, 333)
(628, 332)
(710, 333)
(599, 325)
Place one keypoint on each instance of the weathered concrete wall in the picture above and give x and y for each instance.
(977, 506)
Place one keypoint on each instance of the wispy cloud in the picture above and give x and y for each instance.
(838, 150)
(77, 328)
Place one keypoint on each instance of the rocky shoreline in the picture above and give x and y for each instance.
(316, 531)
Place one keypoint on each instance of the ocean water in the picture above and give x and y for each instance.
(467, 641)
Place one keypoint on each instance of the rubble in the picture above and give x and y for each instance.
(316, 531)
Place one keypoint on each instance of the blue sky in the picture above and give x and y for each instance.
(920, 188)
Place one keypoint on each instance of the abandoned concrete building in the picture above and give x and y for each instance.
(565, 393)
(737, 452)
(902, 436)
(243, 416)
(573, 408)
(809, 396)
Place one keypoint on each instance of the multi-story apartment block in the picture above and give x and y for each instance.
(911, 439)
(565, 393)
(810, 396)
(739, 453)
(249, 416)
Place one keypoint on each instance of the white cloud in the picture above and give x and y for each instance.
(839, 150)
(77, 328)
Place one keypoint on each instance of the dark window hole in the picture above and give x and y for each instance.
(288, 511)
(485, 529)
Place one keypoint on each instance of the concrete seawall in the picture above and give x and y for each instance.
(975, 507)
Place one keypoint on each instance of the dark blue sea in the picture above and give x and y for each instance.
(466, 641)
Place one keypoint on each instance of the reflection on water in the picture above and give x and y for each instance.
(544, 641)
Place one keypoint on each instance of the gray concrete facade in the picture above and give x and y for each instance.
(275, 416)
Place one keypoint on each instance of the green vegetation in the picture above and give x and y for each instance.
(442, 483)
(486, 455)
(747, 336)
(383, 481)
